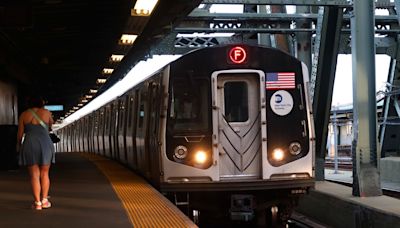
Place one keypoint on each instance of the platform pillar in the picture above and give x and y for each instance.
(366, 180)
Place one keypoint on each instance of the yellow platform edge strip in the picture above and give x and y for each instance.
(144, 205)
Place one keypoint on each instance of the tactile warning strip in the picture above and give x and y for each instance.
(145, 206)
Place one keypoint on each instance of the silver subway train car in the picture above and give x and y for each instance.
(227, 129)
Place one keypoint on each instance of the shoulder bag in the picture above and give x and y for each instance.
(54, 138)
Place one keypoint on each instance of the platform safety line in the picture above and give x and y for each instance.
(145, 206)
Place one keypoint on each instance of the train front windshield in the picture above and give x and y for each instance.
(189, 104)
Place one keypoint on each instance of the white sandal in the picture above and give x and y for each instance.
(37, 205)
(45, 203)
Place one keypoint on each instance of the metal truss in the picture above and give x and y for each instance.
(338, 3)
(195, 42)
(201, 21)
(251, 23)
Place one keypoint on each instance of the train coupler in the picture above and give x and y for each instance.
(242, 207)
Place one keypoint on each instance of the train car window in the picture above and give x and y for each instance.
(141, 115)
(236, 101)
(189, 105)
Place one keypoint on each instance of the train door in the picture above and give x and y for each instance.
(131, 129)
(82, 135)
(153, 130)
(96, 127)
(114, 112)
(107, 131)
(141, 130)
(121, 139)
(100, 137)
(239, 96)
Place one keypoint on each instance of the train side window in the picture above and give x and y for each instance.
(236, 101)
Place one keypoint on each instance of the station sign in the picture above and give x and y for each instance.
(53, 108)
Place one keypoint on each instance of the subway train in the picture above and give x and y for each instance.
(225, 130)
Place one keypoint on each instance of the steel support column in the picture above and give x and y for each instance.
(324, 80)
(366, 181)
(304, 39)
(389, 132)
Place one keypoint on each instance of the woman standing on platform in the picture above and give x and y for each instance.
(37, 149)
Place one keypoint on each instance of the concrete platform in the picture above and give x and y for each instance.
(347, 177)
(87, 191)
(81, 196)
(333, 205)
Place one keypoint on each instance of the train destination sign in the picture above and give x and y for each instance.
(237, 55)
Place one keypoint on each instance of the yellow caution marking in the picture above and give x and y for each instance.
(145, 206)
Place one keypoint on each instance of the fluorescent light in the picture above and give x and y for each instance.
(84, 101)
(127, 39)
(101, 81)
(143, 7)
(116, 58)
(93, 91)
(108, 70)
(89, 96)
(80, 105)
(137, 74)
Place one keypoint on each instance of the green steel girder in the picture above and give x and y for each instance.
(324, 80)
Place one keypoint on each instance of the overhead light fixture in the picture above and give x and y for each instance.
(108, 70)
(89, 96)
(127, 39)
(143, 7)
(93, 91)
(80, 105)
(101, 80)
(84, 101)
(75, 108)
(116, 58)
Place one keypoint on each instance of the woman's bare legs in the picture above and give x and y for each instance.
(45, 180)
(34, 173)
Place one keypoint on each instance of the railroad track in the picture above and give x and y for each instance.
(341, 166)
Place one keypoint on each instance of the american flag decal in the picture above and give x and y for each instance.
(280, 80)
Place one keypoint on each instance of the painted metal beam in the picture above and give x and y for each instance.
(366, 180)
(337, 3)
(324, 81)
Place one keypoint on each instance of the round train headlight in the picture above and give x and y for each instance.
(180, 152)
(200, 157)
(278, 154)
(295, 148)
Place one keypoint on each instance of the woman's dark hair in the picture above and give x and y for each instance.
(35, 102)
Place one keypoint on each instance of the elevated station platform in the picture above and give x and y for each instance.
(87, 191)
(334, 205)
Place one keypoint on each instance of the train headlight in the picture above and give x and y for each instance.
(180, 152)
(295, 148)
(200, 157)
(278, 154)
